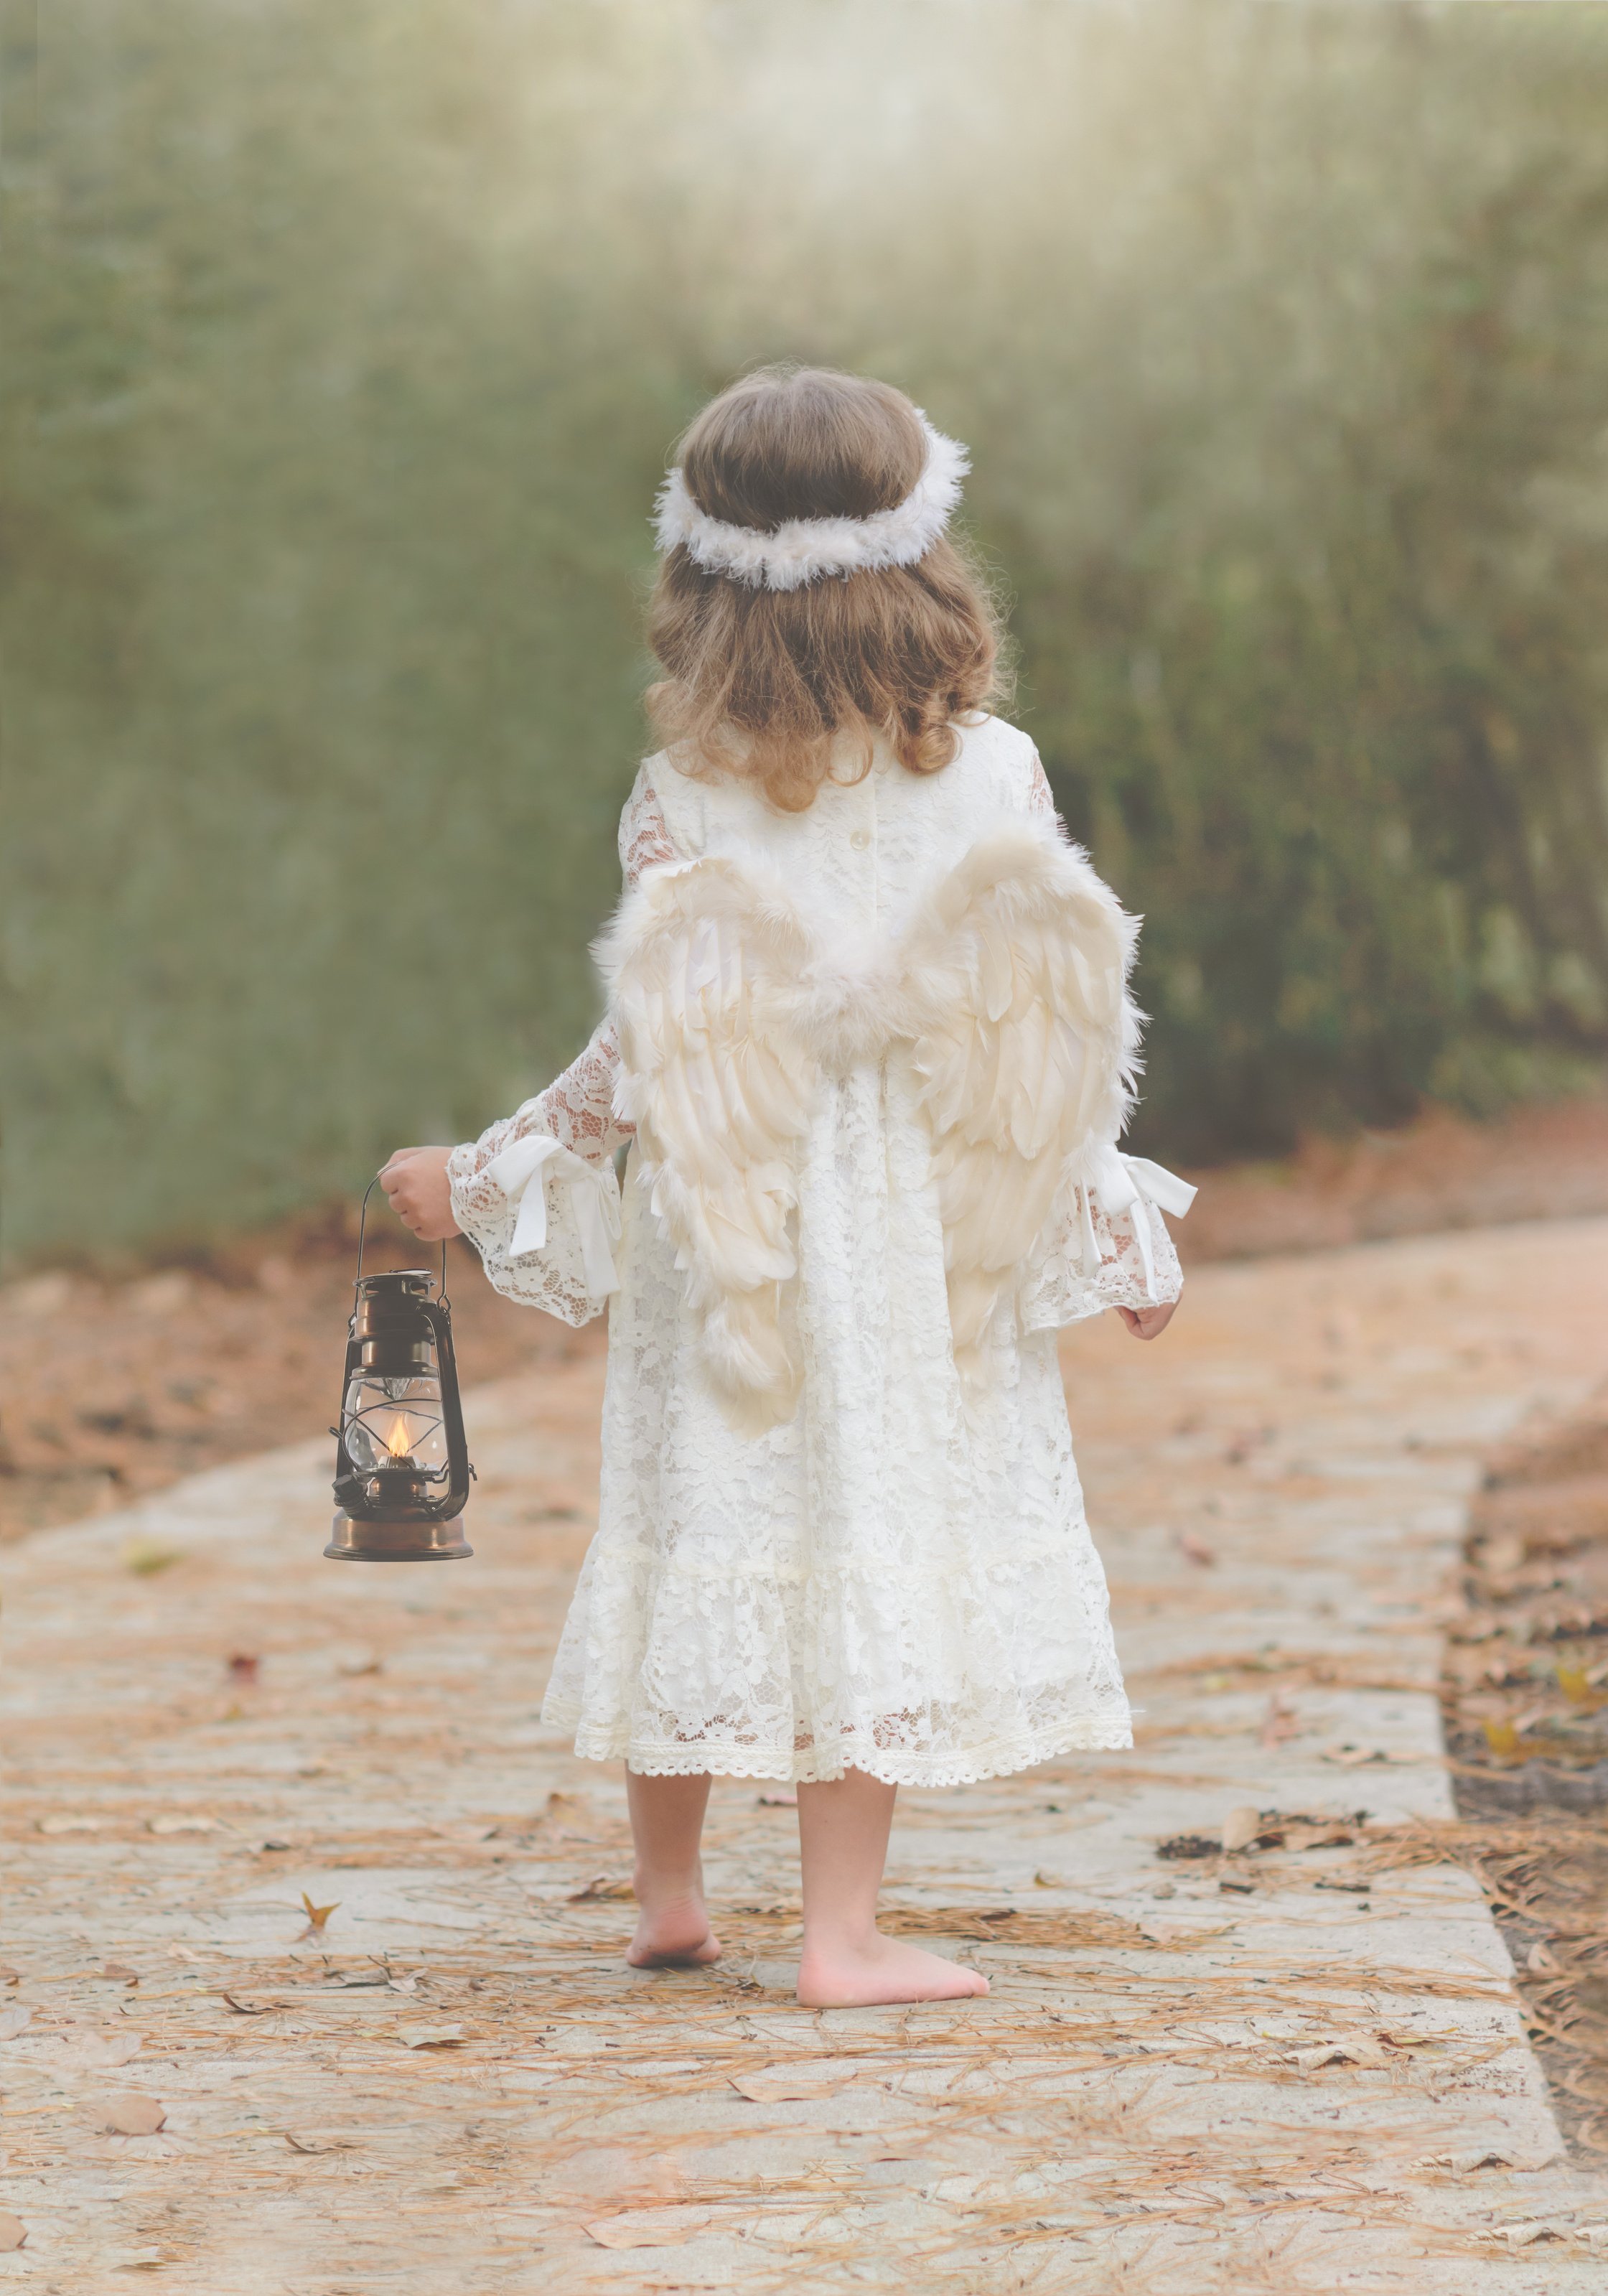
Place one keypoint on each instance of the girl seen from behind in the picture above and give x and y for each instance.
(870, 1049)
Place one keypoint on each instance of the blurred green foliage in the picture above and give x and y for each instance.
(345, 348)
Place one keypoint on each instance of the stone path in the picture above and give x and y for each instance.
(1191, 2076)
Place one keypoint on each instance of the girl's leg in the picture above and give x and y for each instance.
(667, 1823)
(847, 1962)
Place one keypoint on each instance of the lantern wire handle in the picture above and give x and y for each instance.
(362, 1229)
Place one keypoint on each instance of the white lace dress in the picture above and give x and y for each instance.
(900, 1579)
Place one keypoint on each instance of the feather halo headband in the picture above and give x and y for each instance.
(802, 549)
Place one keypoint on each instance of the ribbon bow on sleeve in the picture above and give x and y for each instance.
(521, 1172)
(1121, 1183)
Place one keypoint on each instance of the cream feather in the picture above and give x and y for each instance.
(1026, 1041)
(1010, 988)
(719, 1088)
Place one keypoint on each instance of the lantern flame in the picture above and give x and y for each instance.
(396, 1442)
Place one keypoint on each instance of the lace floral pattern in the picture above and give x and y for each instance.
(577, 1110)
(900, 1579)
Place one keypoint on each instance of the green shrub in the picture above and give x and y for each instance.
(346, 345)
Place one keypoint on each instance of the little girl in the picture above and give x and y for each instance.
(870, 1048)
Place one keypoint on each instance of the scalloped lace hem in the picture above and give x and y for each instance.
(668, 1758)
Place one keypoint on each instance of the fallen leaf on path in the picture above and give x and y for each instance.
(128, 2114)
(665, 2227)
(1241, 1826)
(13, 2021)
(86, 2047)
(1365, 2053)
(1502, 1737)
(787, 2084)
(64, 1823)
(119, 1973)
(1279, 1722)
(430, 2037)
(243, 1665)
(13, 2232)
(9, 1976)
(317, 1915)
(356, 1662)
(1194, 1547)
(183, 1822)
(600, 1888)
(146, 1556)
(249, 2008)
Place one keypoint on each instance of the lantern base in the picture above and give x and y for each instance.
(354, 1540)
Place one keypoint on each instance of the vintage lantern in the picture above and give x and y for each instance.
(402, 1471)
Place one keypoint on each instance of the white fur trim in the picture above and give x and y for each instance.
(788, 556)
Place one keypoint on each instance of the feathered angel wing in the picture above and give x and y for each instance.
(1026, 1043)
(699, 961)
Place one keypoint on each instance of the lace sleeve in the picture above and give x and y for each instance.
(1105, 1243)
(1041, 801)
(577, 1111)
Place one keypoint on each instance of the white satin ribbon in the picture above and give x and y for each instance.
(1122, 1181)
(521, 1171)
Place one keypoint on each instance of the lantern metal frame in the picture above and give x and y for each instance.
(395, 1523)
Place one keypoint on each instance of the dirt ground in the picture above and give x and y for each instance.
(1524, 1703)
(117, 1381)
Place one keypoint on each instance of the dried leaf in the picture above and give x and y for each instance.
(13, 2021)
(249, 2008)
(1364, 2052)
(63, 1824)
(601, 1887)
(119, 1973)
(1279, 1722)
(89, 2048)
(1190, 1845)
(1241, 1826)
(128, 2114)
(1195, 1549)
(183, 1822)
(13, 2232)
(9, 1976)
(665, 2227)
(243, 1665)
(146, 1556)
(430, 2037)
(356, 1662)
(317, 1915)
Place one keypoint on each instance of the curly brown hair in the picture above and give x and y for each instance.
(760, 681)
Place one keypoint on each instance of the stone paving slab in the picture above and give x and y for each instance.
(1190, 2076)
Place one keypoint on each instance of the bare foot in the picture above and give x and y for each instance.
(678, 1930)
(880, 1968)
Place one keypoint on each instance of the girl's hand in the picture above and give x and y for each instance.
(1143, 1323)
(414, 1182)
